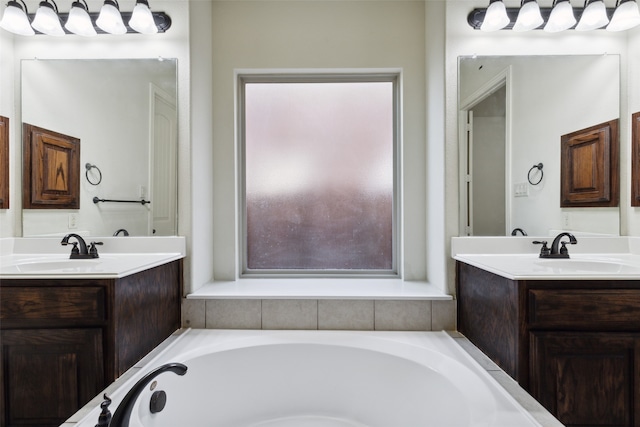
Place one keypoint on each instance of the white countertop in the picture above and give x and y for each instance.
(593, 258)
(37, 258)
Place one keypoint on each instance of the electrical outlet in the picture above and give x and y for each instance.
(521, 189)
(142, 191)
(566, 221)
(73, 221)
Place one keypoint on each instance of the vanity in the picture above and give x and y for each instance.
(69, 329)
(569, 332)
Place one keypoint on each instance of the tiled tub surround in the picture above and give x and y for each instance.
(501, 403)
(327, 314)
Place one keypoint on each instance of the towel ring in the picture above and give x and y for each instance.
(538, 167)
(89, 166)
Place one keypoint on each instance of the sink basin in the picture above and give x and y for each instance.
(587, 266)
(49, 266)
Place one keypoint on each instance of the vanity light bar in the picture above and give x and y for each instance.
(162, 20)
(48, 20)
(476, 16)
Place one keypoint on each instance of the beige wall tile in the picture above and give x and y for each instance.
(345, 314)
(289, 314)
(402, 315)
(443, 315)
(193, 313)
(234, 314)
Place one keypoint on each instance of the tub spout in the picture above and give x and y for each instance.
(123, 414)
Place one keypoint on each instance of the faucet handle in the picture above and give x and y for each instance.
(93, 251)
(544, 250)
(74, 250)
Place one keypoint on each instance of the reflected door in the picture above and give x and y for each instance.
(486, 165)
(163, 164)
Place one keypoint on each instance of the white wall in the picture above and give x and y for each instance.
(317, 35)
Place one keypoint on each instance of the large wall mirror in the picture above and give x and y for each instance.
(513, 111)
(124, 113)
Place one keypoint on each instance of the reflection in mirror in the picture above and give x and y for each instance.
(517, 108)
(124, 113)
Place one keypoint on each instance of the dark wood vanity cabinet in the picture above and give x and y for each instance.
(573, 344)
(64, 340)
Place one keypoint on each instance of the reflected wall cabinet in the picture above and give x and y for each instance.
(590, 167)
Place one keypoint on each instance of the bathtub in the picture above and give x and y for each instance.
(320, 378)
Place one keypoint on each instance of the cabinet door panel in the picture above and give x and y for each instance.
(587, 379)
(49, 373)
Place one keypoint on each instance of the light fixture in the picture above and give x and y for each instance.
(110, 20)
(495, 17)
(15, 19)
(141, 18)
(529, 16)
(594, 16)
(47, 20)
(626, 16)
(561, 17)
(79, 21)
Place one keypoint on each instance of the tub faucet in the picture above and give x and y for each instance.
(121, 230)
(122, 415)
(516, 230)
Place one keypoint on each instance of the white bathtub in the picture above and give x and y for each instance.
(321, 378)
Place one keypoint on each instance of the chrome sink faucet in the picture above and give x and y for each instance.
(84, 251)
(554, 251)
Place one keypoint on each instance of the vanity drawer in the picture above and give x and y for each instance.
(594, 309)
(52, 305)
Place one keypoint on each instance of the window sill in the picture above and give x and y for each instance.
(334, 288)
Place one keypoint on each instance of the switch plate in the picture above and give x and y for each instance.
(73, 221)
(521, 189)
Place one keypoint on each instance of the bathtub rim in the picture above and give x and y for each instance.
(482, 366)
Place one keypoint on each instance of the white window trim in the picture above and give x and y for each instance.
(242, 76)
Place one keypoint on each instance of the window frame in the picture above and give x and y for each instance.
(244, 77)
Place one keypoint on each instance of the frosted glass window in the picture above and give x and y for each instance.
(319, 176)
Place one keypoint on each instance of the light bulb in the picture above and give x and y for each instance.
(79, 21)
(529, 17)
(626, 16)
(110, 20)
(593, 17)
(142, 19)
(47, 21)
(15, 20)
(495, 18)
(561, 18)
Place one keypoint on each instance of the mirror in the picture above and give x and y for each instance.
(124, 113)
(513, 111)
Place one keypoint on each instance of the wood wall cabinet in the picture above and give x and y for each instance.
(64, 340)
(574, 344)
